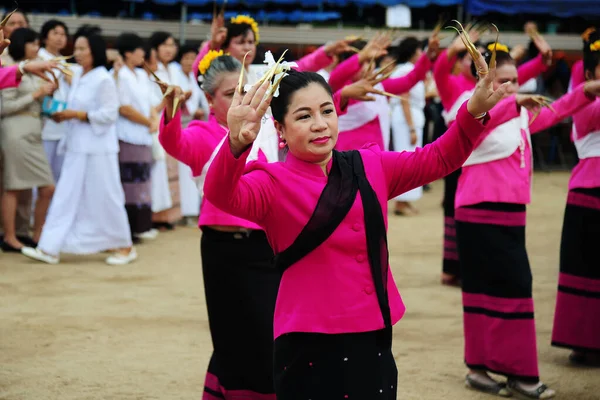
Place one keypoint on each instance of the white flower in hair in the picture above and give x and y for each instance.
(276, 69)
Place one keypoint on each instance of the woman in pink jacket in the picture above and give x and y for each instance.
(322, 212)
(491, 197)
(453, 91)
(240, 282)
(577, 316)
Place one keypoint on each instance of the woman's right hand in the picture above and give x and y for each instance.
(244, 117)
(485, 97)
(47, 89)
(175, 97)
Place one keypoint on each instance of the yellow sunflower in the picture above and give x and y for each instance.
(244, 19)
(207, 60)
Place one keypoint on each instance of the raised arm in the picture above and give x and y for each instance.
(408, 170)
(343, 73)
(531, 69)
(444, 80)
(404, 83)
(203, 51)
(249, 196)
(314, 61)
(565, 106)
(186, 145)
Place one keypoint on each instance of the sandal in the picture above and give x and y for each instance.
(497, 388)
(541, 392)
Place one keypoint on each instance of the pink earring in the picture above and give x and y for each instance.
(281, 145)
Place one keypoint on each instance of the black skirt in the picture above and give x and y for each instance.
(241, 287)
(344, 366)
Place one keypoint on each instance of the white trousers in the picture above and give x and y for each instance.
(87, 213)
(189, 196)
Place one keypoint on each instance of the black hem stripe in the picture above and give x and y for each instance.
(498, 314)
(579, 292)
(214, 392)
(522, 378)
(576, 348)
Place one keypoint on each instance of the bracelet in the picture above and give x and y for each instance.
(481, 116)
(21, 65)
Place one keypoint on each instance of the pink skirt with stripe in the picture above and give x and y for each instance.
(577, 315)
(498, 309)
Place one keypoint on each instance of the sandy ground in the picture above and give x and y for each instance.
(83, 330)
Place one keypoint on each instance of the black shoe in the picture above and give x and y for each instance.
(27, 241)
(7, 248)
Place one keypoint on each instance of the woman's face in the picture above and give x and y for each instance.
(136, 57)
(187, 62)
(31, 50)
(16, 21)
(167, 51)
(310, 125)
(465, 66)
(242, 44)
(56, 39)
(83, 53)
(507, 73)
(220, 101)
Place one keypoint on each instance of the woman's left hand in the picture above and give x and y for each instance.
(65, 115)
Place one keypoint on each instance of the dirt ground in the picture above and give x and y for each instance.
(83, 330)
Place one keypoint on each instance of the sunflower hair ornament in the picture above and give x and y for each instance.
(499, 47)
(245, 19)
(595, 46)
(204, 64)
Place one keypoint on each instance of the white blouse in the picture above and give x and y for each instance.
(133, 89)
(96, 94)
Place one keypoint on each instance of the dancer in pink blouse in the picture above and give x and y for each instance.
(240, 283)
(577, 316)
(239, 279)
(492, 193)
(362, 123)
(453, 91)
(322, 212)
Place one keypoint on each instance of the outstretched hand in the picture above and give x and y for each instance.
(43, 69)
(244, 117)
